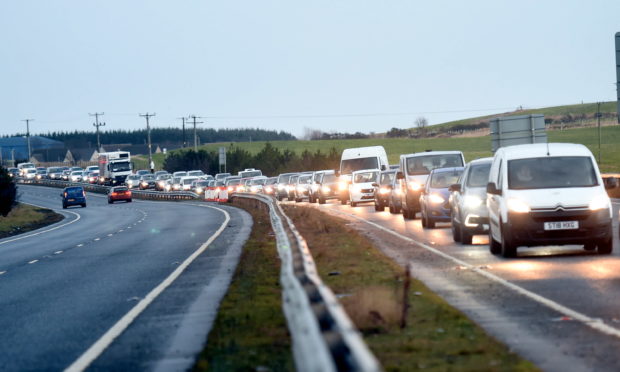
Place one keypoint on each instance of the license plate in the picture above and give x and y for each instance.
(71, 200)
(562, 225)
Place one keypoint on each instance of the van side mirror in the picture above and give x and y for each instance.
(400, 175)
(375, 185)
(337, 173)
(610, 183)
(455, 187)
(492, 189)
(383, 167)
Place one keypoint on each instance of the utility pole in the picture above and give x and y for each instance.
(194, 117)
(184, 142)
(28, 136)
(598, 117)
(97, 125)
(148, 134)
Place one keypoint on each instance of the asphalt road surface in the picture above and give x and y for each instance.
(556, 306)
(75, 293)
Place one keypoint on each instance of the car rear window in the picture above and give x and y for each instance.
(75, 191)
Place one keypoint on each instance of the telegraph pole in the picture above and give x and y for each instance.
(194, 117)
(148, 133)
(28, 136)
(598, 117)
(184, 142)
(97, 125)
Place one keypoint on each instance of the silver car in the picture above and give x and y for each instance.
(469, 214)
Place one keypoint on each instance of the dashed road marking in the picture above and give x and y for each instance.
(80, 245)
(33, 261)
(110, 234)
(96, 239)
(2, 272)
(58, 252)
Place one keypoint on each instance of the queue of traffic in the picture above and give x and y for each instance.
(526, 195)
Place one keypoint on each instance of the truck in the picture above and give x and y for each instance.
(114, 167)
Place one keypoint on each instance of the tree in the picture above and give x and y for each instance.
(421, 123)
(8, 192)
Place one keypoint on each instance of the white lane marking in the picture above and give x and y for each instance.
(121, 230)
(44, 231)
(33, 261)
(110, 234)
(100, 345)
(129, 227)
(79, 245)
(2, 272)
(96, 239)
(594, 323)
(58, 252)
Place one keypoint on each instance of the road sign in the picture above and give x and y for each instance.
(223, 156)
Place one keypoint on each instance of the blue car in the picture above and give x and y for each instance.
(74, 195)
(434, 199)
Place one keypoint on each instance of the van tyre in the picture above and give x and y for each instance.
(605, 246)
(379, 207)
(343, 201)
(321, 200)
(353, 204)
(494, 247)
(509, 248)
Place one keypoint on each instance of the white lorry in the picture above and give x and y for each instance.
(114, 167)
(359, 158)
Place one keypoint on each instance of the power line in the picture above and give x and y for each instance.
(97, 125)
(148, 134)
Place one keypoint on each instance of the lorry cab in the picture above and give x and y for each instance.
(547, 194)
(414, 171)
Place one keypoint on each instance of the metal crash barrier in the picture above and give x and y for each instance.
(324, 338)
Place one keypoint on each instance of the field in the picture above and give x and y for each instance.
(473, 147)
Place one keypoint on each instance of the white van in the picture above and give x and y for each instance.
(361, 189)
(359, 158)
(547, 194)
(23, 167)
(414, 171)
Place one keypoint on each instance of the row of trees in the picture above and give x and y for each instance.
(169, 135)
(271, 160)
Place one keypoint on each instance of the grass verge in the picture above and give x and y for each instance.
(437, 336)
(250, 331)
(24, 218)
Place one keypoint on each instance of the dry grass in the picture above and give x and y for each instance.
(24, 218)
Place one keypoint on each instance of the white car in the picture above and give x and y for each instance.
(361, 189)
(547, 194)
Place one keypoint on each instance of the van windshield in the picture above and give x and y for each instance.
(365, 177)
(387, 178)
(551, 172)
(120, 166)
(418, 165)
(351, 165)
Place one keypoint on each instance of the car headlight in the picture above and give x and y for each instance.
(517, 206)
(280, 187)
(230, 189)
(342, 185)
(326, 189)
(384, 190)
(436, 199)
(472, 201)
(269, 189)
(144, 184)
(599, 202)
(415, 186)
(199, 190)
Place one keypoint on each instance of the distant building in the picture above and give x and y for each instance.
(16, 148)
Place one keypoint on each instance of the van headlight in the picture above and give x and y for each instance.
(472, 201)
(384, 190)
(436, 199)
(326, 189)
(518, 206)
(599, 202)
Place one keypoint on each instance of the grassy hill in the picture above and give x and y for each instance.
(472, 147)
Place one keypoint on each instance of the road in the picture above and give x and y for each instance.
(556, 306)
(84, 281)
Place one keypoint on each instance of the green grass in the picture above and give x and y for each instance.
(24, 218)
(578, 109)
(250, 330)
(437, 336)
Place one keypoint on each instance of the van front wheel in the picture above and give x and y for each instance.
(605, 246)
(509, 249)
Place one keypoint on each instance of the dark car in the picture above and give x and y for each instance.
(147, 181)
(383, 189)
(434, 198)
(328, 188)
(395, 196)
(119, 193)
(74, 195)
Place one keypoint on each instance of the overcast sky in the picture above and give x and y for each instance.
(285, 65)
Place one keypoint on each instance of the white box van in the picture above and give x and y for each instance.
(359, 158)
(414, 171)
(547, 194)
